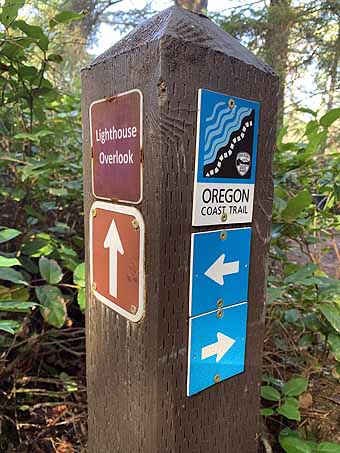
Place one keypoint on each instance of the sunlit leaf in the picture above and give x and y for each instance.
(290, 409)
(79, 275)
(269, 393)
(9, 262)
(9, 326)
(295, 386)
(10, 275)
(330, 117)
(8, 234)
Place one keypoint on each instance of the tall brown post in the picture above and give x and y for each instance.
(137, 371)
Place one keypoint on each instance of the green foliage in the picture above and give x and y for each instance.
(284, 395)
(301, 296)
(292, 442)
(40, 143)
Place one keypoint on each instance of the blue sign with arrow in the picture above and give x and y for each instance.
(217, 342)
(219, 269)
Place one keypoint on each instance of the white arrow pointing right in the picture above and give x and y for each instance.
(220, 348)
(113, 242)
(219, 269)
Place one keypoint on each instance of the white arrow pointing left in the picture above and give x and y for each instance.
(220, 348)
(219, 269)
(113, 242)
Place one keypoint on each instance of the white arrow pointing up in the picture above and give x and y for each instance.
(219, 269)
(113, 242)
(220, 348)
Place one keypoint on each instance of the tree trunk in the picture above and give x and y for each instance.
(334, 71)
(277, 45)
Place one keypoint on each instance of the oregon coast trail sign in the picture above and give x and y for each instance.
(226, 148)
(116, 147)
(117, 258)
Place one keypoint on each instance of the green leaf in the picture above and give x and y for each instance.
(14, 293)
(28, 72)
(328, 447)
(269, 393)
(64, 17)
(305, 110)
(38, 245)
(334, 343)
(292, 444)
(332, 314)
(79, 275)
(81, 299)
(9, 326)
(295, 386)
(33, 137)
(33, 31)
(296, 205)
(16, 306)
(292, 315)
(9, 262)
(53, 307)
(10, 275)
(267, 412)
(50, 270)
(290, 409)
(10, 10)
(8, 234)
(329, 118)
(56, 58)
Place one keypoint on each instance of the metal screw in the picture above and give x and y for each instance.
(135, 224)
(217, 378)
(94, 212)
(223, 235)
(133, 309)
(219, 313)
(94, 286)
(224, 216)
(231, 103)
(220, 303)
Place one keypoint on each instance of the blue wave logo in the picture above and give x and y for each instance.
(220, 125)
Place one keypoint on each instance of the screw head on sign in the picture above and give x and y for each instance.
(220, 303)
(94, 212)
(133, 309)
(217, 378)
(231, 103)
(94, 286)
(223, 235)
(219, 313)
(224, 216)
(135, 224)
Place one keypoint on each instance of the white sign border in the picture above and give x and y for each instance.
(135, 90)
(132, 211)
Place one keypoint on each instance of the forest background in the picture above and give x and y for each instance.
(43, 45)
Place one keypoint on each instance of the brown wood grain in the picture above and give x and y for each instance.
(137, 372)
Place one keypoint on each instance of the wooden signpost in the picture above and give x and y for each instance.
(177, 250)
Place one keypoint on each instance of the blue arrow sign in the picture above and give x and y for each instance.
(219, 269)
(217, 342)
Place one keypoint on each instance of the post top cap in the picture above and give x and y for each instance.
(178, 23)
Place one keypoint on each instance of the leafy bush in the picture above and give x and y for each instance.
(41, 190)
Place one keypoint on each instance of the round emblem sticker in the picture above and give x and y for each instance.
(243, 161)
